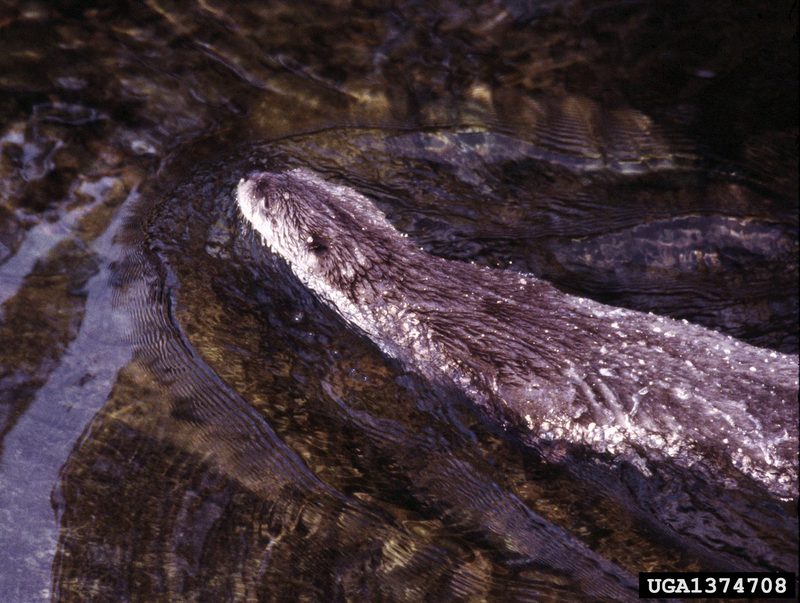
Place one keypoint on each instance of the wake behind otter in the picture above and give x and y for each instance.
(558, 366)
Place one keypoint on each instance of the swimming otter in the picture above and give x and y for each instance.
(560, 366)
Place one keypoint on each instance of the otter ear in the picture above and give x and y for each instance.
(316, 244)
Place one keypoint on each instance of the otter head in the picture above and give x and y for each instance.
(330, 235)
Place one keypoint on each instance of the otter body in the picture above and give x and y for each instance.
(558, 366)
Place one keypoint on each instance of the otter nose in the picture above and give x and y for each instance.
(247, 195)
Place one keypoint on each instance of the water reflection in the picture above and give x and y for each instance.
(49, 407)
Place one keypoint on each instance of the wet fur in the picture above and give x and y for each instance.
(558, 366)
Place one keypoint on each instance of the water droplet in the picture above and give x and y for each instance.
(681, 394)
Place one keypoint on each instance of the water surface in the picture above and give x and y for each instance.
(180, 420)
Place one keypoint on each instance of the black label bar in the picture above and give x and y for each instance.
(711, 585)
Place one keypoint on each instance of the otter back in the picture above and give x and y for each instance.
(558, 366)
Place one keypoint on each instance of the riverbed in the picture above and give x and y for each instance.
(182, 420)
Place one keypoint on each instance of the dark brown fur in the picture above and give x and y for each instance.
(564, 367)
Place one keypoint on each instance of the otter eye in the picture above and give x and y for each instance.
(316, 244)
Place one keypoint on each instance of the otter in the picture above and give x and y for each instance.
(557, 367)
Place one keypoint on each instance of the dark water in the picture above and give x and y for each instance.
(180, 420)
